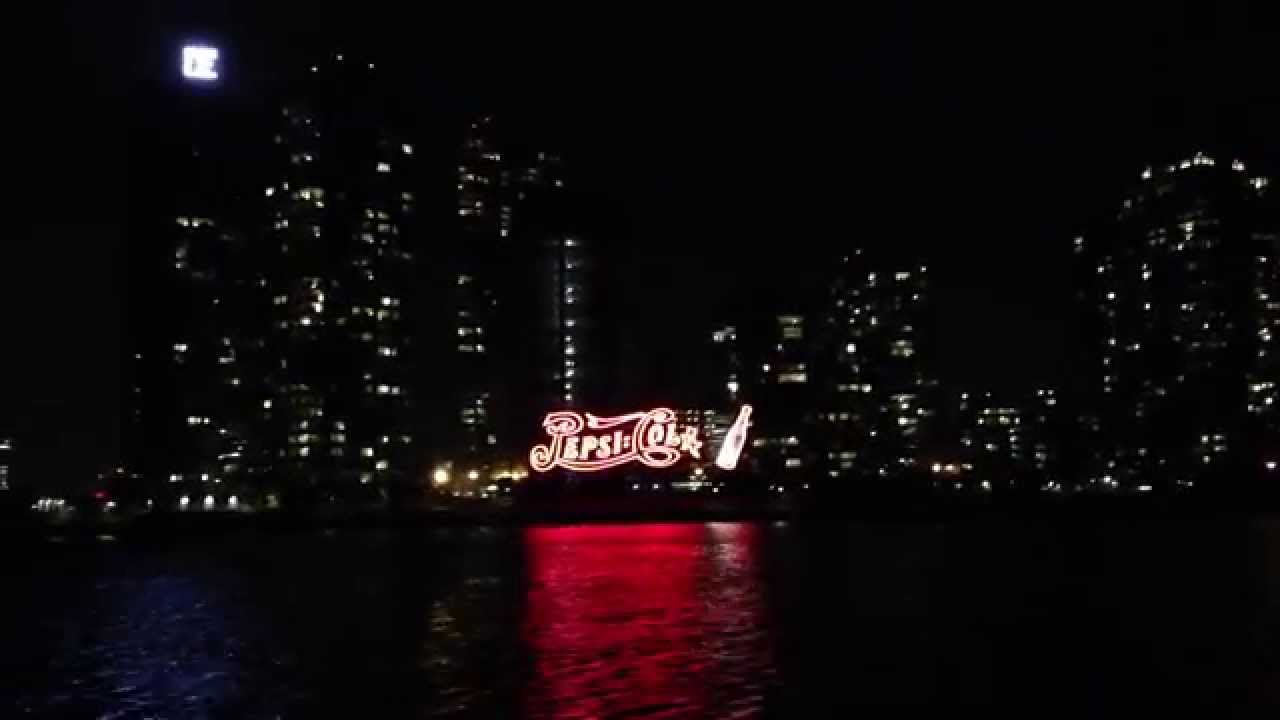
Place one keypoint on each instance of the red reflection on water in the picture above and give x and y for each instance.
(650, 619)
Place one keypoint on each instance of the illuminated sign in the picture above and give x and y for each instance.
(734, 440)
(587, 443)
(200, 62)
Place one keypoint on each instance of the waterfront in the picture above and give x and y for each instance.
(1078, 618)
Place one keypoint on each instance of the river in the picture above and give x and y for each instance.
(730, 620)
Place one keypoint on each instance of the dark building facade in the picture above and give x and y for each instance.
(876, 406)
(782, 444)
(6, 463)
(522, 302)
(186, 425)
(336, 406)
(1002, 444)
(1178, 295)
(273, 358)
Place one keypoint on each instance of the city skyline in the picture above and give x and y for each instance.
(697, 265)
(415, 360)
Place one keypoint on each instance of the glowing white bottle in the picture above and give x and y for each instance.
(734, 440)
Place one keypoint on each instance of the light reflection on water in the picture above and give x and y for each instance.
(660, 620)
(654, 620)
(125, 645)
(543, 622)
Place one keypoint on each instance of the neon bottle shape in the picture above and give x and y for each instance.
(734, 440)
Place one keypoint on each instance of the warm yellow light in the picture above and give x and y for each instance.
(440, 477)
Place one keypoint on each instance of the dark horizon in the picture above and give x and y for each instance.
(958, 139)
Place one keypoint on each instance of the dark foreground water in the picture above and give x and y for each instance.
(1037, 618)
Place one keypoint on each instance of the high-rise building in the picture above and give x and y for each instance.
(781, 446)
(485, 218)
(723, 388)
(524, 335)
(337, 275)
(875, 404)
(6, 462)
(988, 443)
(1048, 436)
(1177, 291)
(187, 419)
(726, 374)
(565, 369)
(273, 351)
(207, 420)
(1263, 402)
(995, 438)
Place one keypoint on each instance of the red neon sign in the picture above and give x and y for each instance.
(652, 438)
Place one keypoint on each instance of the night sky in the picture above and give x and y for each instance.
(735, 154)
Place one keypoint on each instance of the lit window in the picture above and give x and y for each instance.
(407, 149)
(384, 167)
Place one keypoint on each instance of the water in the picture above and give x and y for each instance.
(655, 621)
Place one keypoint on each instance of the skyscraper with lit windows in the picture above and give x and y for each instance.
(484, 221)
(523, 332)
(207, 362)
(723, 386)
(1263, 402)
(1177, 290)
(191, 275)
(726, 379)
(1005, 444)
(782, 387)
(6, 462)
(337, 275)
(876, 402)
(273, 354)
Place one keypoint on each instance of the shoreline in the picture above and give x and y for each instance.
(814, 513)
